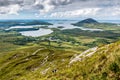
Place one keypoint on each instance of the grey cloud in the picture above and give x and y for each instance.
(38, 6)
(61, 2)
(10, 2)
(43, 5)
(49, 5)
(4, 3)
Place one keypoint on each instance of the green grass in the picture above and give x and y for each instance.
(22, 61)
(22, 64)
(51, 61)
(109, 27)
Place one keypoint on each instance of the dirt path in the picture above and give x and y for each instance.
(37, 51)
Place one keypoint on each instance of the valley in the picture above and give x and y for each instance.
(75, 50)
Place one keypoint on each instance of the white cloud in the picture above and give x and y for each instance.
(62, 8)
(11, 9)
(14, 9)
(116, 12)
(76, 13)
(109, 12)
(48, 7)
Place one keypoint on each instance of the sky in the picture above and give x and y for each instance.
(60, 9)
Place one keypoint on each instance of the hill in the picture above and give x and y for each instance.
(42, 63)
(86, 21)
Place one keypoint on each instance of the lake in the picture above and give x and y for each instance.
(37, 33)
(66, 24)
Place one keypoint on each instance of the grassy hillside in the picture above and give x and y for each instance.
(45, 63)
(69, 54)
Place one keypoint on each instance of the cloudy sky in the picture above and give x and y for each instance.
(59, 9)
